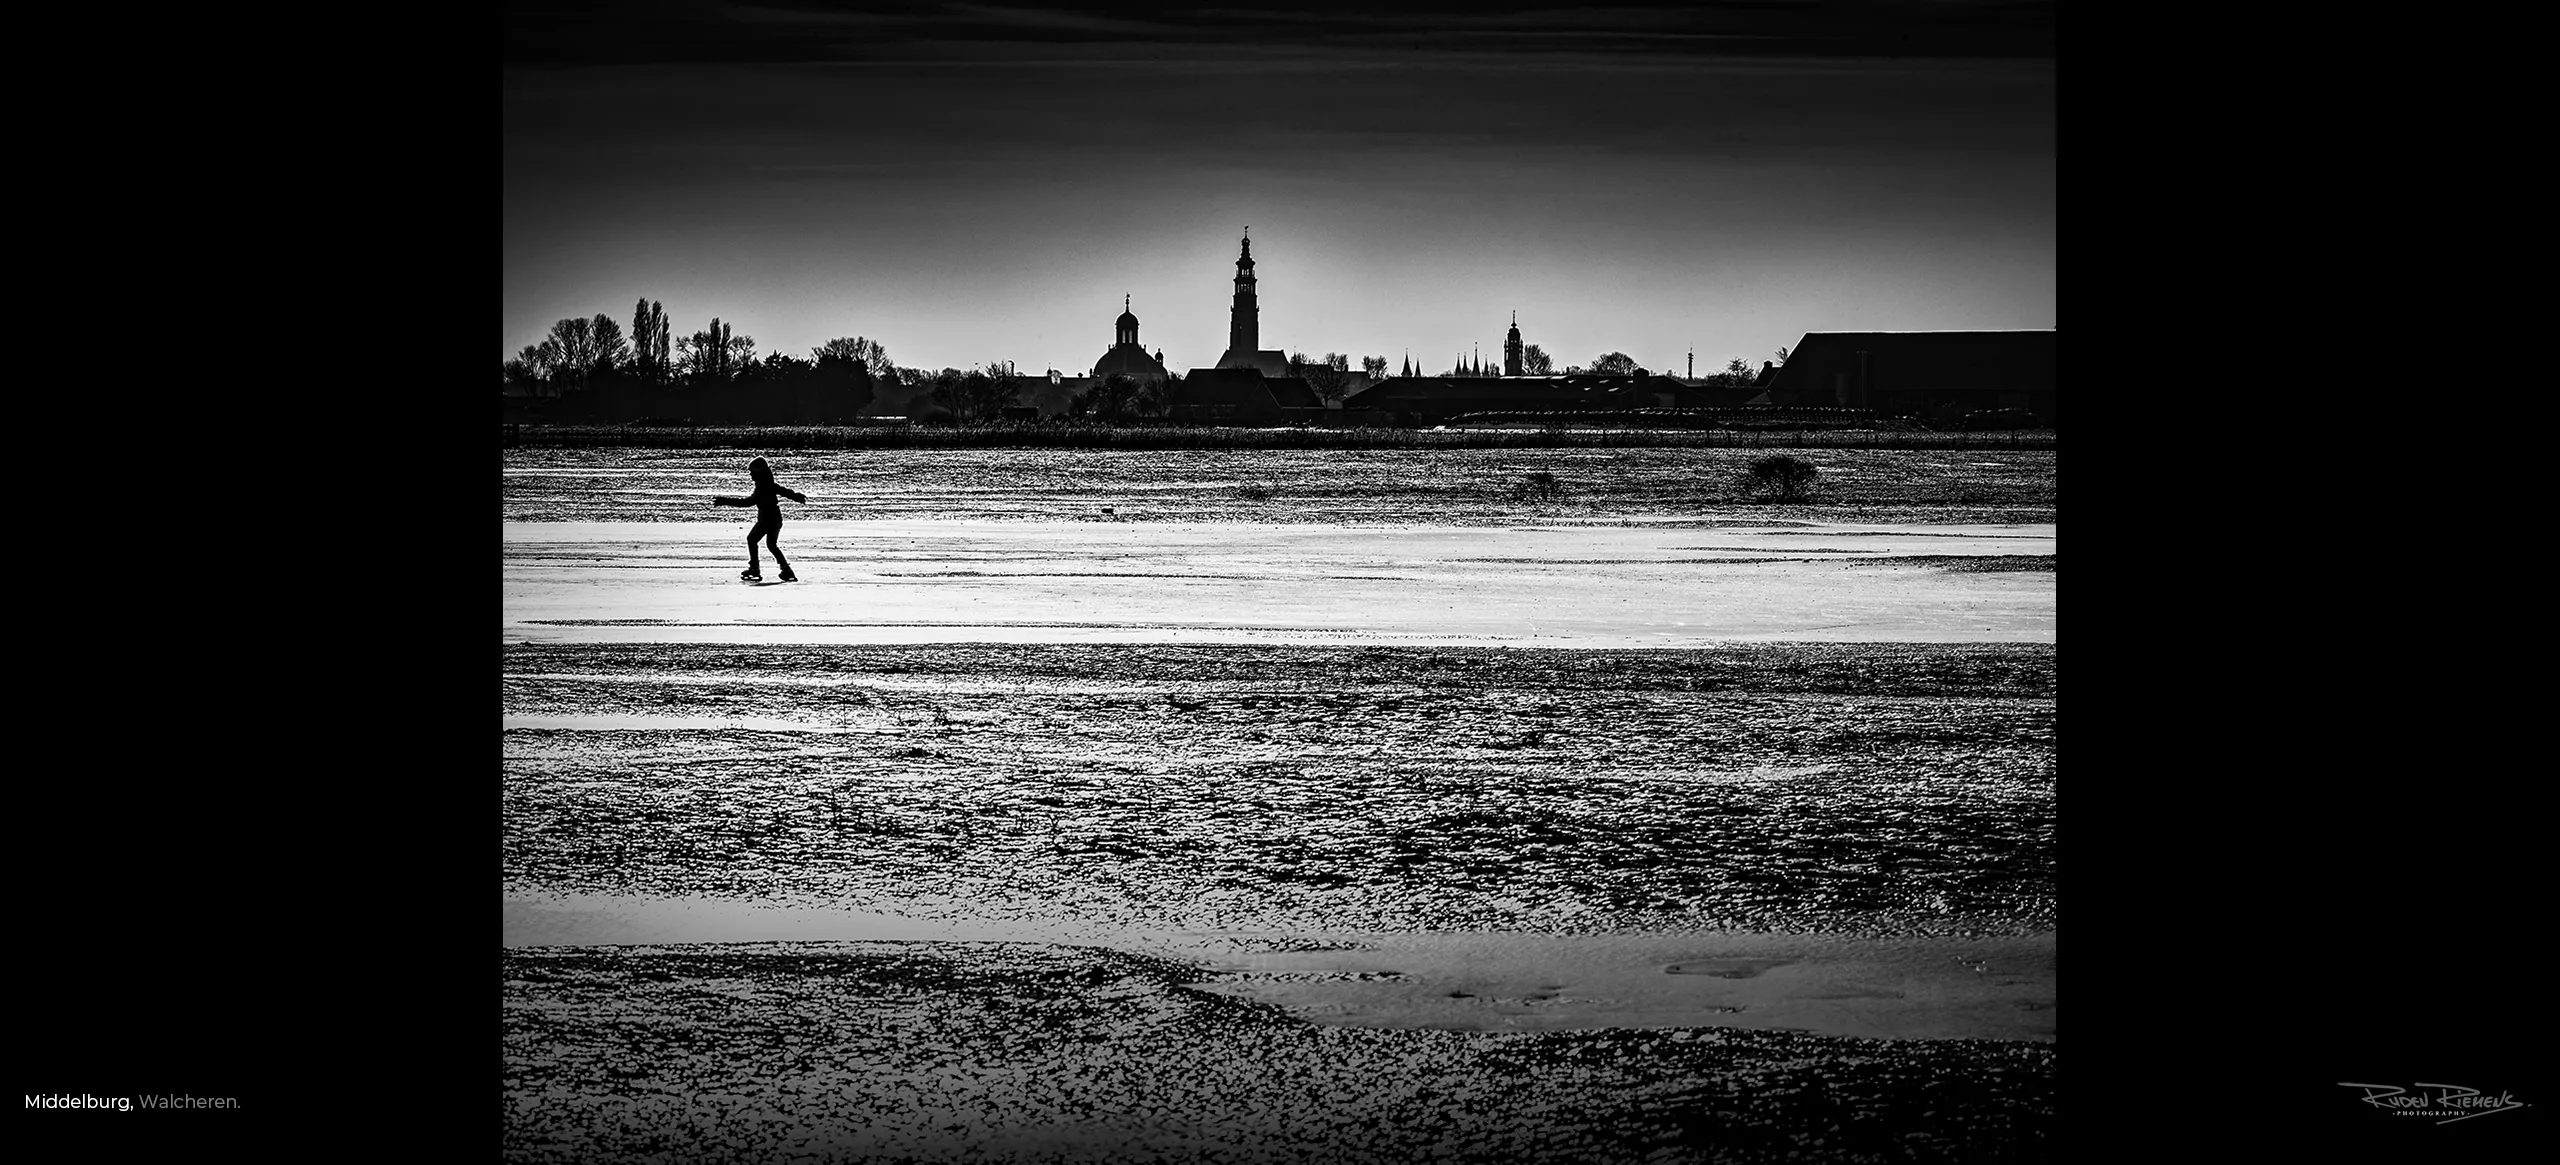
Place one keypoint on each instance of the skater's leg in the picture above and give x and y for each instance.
(772, 542)
(760, 532)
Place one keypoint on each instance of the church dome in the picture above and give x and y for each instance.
(1127, 320)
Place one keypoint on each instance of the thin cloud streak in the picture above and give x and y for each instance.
(667, 31)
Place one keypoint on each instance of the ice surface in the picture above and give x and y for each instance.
(916, 581)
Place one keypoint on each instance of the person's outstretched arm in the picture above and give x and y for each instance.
(793, 494)
(727, 501)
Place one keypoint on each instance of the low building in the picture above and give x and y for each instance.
(1233, 396)
(1432, 400)
(1265, 361)
(1919, 373)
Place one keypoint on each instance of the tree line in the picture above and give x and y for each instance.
(579, 351)
(651, 369)
(596, 357)
(1737, 371)
(594, 369)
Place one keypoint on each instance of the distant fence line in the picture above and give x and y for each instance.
(1755, 418)
(1051, 435)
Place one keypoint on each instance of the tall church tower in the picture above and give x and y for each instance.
(1244, 324)
(1125, 329)
(1511, 348)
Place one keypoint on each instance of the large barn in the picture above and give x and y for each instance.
(1919, 373)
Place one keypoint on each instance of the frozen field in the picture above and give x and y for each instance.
(1458, 487)
(1641, 829)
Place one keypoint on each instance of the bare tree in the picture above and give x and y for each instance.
(777, 368)
(611, 349)
(1329, 377)
(569, 352)
(1110, 402)
(1003, 389)
(530, 370)
(977, 395)
(711, 351)
(572, 343)
(704, 355)
(640, 341)
(662, 356)
(716, 354)
(1614, 364)
(837, 384)
(868, 352)
(1534, 361)
(1375, 366)
(941, 391)
(643, 344)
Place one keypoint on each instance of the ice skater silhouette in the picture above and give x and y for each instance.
(768, 520)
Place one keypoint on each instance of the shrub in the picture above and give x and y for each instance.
(1781, 476)
(1541, 486)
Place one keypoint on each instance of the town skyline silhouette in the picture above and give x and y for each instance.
(980, 190)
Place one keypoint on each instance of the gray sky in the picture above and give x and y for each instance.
(969, 184)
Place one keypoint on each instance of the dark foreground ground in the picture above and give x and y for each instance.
(1875, 789)
(1855, 790)
(1020, 1052)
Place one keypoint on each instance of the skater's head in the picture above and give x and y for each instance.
(760, 471)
